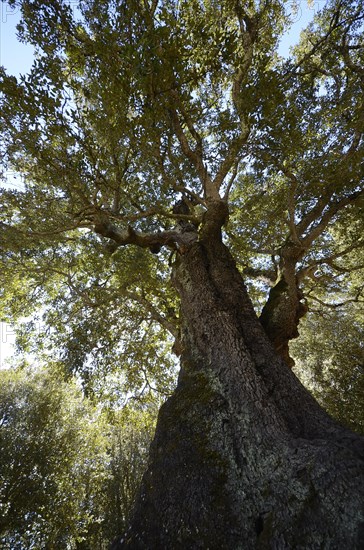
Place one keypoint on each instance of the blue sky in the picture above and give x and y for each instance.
(17, 58)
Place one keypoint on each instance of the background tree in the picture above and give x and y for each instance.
(52, 453)
(329, 359)
(69, 473)
(128, 110)
(129, 440)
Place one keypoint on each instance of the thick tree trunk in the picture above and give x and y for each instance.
(243, 457)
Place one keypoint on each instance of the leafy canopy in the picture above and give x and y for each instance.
(131, 105)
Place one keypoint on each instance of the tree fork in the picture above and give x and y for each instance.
(284, 308)
(243, 457)
(281, 316)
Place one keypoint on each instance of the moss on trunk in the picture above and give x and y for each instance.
(243, 456)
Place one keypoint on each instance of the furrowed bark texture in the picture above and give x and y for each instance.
(284, 308)
(243, 457)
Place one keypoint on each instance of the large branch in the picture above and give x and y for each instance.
(187, 118)
(329, 260)
(312, 215)
(338, 304)
(248, 34)
(333, 208)
(291, 198)
(173, 239)
(196, 158)
(231, 159)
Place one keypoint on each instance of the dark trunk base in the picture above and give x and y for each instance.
(243, 457)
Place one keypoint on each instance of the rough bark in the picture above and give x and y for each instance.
(285, 307)
(243, 457)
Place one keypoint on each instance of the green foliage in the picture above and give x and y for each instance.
(52, 453)
(131, 432)
(68, 473)
(330, 361)
(130, 104)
